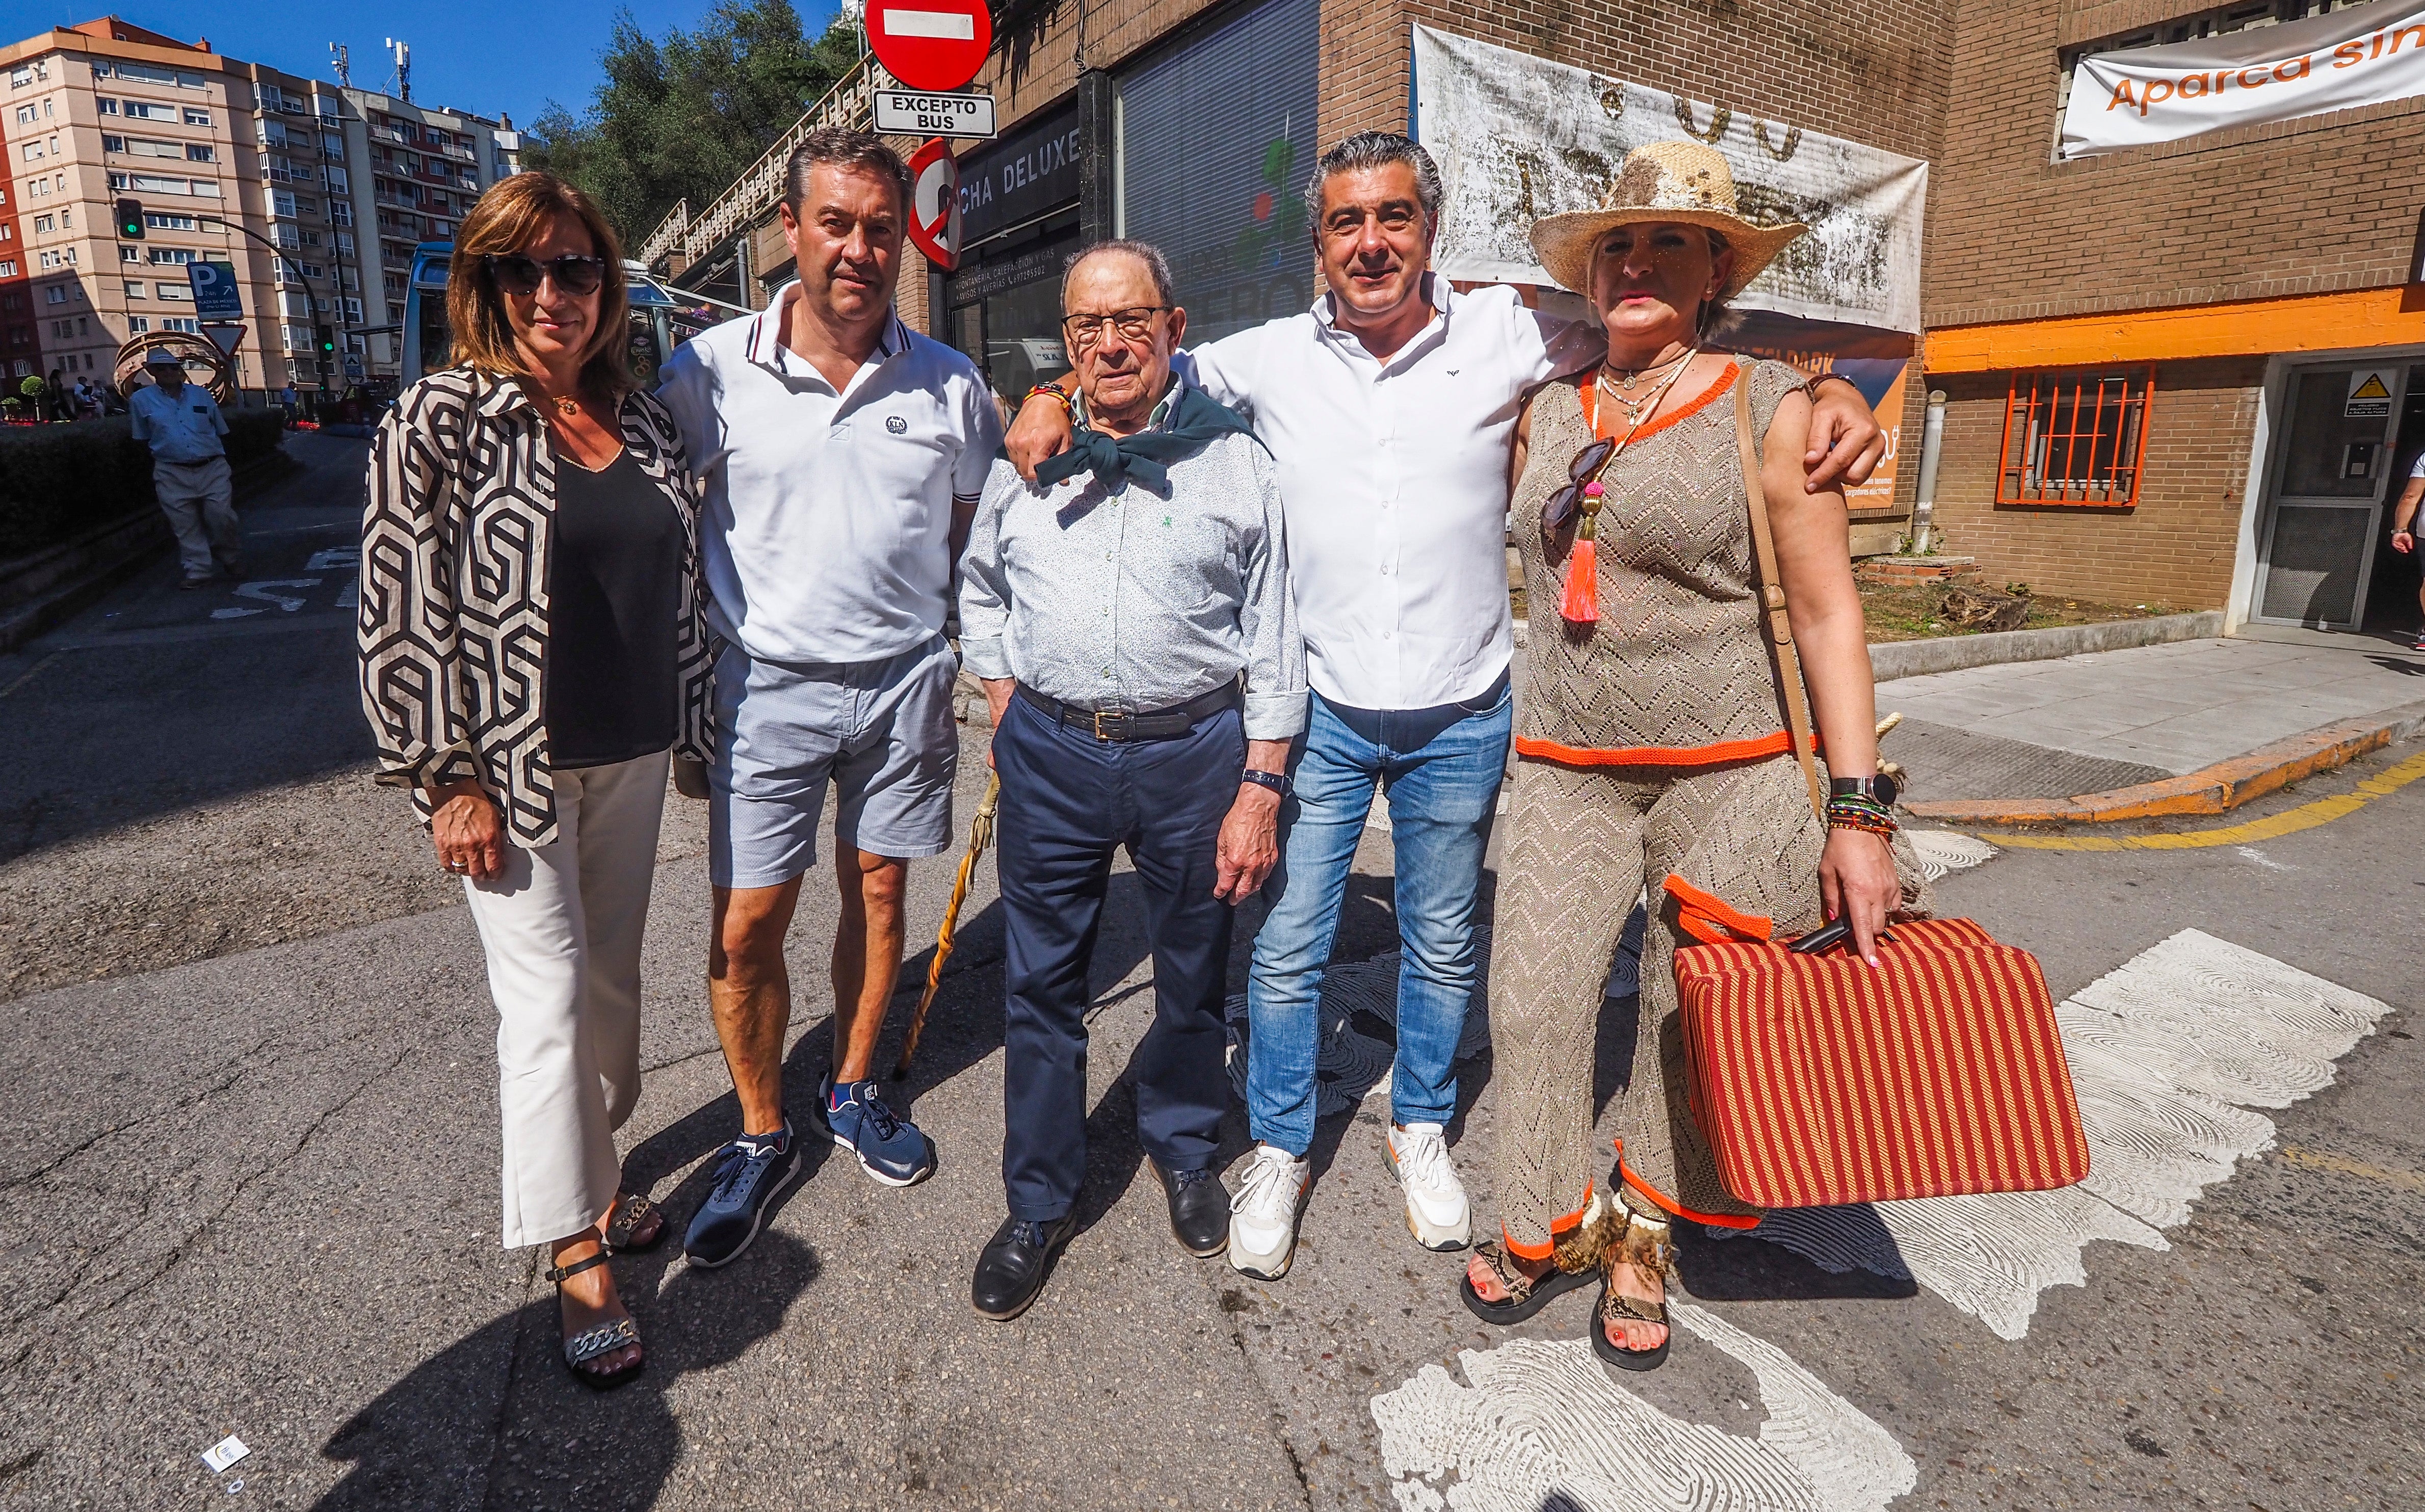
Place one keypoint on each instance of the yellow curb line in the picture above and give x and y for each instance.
(2289, 822)
(2343, 1166)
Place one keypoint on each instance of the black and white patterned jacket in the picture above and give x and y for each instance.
(456, 537)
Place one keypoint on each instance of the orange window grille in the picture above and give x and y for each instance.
(2077, 439)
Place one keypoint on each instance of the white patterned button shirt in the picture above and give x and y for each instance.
(1134, 600)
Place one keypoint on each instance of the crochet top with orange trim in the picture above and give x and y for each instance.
(1675, 673)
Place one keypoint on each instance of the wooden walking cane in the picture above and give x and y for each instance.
(980, 836)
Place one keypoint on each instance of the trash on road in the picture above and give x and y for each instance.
(224, 1452)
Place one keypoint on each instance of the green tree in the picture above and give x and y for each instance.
(681, 115)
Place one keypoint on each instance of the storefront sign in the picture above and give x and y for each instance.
(1028, 173)
(1519, 138)
(934, 115)
(2362, 55)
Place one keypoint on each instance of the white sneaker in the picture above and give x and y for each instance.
(1436, 1212)
(1263, 1214)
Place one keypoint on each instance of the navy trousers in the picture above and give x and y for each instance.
(1068, 801)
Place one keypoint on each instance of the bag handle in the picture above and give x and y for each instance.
(1786, 660)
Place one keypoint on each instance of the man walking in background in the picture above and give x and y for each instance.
(182, 423)
(2403, 535)
(840, 454)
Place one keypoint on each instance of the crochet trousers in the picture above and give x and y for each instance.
(1584, 844)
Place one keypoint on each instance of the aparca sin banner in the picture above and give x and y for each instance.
(2363, 55)
(1517, 137)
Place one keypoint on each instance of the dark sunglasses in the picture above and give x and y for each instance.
(518, 273)
(1560, 505)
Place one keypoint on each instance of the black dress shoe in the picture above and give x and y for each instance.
(1199, 1210)
(1012, 1266)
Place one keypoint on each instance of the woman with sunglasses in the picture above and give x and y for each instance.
(1652, 751)
(532, 655)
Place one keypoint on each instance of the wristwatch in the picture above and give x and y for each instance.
(1277, 782)
(1880, 787)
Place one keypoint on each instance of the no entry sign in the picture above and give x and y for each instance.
(935, 204)
(930, 44)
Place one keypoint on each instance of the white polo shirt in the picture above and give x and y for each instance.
(825, 531)
(1393, 480)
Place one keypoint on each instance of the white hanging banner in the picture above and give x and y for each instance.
(2364, 56)
(1517, 137)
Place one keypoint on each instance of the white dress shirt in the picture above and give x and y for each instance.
(1394, 480)
(825, 519)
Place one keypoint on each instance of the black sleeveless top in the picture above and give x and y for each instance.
(614, 600)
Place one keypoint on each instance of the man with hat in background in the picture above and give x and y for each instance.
(182, 423)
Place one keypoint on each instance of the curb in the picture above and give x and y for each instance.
(2216, 789)
(1892, 659)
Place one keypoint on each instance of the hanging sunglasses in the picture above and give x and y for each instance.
(518, 273)
(1560, 505)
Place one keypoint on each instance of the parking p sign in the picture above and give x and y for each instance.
(215, 291)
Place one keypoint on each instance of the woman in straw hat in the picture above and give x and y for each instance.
(1652, 746)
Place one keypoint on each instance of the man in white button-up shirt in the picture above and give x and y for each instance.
(840, 454)
(1388, 408)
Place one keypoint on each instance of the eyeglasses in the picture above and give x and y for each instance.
(518, 273)
(1083, 332)
(1560, 505)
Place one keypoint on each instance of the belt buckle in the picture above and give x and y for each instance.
(1110, 724)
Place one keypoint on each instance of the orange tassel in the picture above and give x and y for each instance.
(1582, 606)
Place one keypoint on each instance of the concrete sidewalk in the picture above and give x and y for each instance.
(2152, 714)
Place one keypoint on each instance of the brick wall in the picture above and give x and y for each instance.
(2175, 549)
(2304, 206)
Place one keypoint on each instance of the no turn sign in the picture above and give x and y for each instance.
(935, 204)
(930, 44)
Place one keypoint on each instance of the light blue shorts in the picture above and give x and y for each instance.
(881, 731)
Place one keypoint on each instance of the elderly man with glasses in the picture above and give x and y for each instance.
(1114, 609)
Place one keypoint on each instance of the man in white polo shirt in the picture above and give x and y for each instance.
(840, 456)
(1388, 409)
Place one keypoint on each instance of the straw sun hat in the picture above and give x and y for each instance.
(1672, 181)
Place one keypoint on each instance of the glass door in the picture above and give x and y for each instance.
(2328, 490)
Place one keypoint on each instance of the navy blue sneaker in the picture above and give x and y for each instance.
(888, 1144)
(749, 1174)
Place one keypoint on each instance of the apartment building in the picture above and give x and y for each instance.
(418, 172)
(342, 182)
(20, 342)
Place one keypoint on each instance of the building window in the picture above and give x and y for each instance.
(200, 152)
(135, 289)
(105, 104)
(7, 267)
(188, 324)
(2075, 438)
(129, 254)
(112, 144)
(170, 256)
(197, 118)
(138, 324)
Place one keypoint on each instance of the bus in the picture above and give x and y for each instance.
(661, 318)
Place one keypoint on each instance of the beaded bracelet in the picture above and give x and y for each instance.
(1854, 811)
(1052, 392)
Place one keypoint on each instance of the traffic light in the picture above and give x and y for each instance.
(130, 219)
(327, 350)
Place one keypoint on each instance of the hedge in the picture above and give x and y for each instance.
(59, 481)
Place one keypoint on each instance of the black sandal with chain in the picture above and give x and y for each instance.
(1646, 1247)
(605, 1338)
(631, 1214)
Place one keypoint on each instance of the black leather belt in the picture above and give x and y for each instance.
(1119, 725)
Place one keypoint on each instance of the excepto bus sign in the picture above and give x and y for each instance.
(911, 114)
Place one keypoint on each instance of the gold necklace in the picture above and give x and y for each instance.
(567, 406)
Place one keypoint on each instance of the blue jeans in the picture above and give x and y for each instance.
(1441, 769)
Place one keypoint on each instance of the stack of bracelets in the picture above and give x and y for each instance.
(1053, 391)
(1860, 810)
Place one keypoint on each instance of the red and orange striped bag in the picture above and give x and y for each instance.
(1820, 1081)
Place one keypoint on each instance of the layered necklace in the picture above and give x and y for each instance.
(1649, 381)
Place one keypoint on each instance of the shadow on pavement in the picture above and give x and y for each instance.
(580, 1448)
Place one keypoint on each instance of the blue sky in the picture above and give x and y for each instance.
(479, 56)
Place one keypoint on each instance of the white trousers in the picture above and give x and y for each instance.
(561, 928)
(195, 498)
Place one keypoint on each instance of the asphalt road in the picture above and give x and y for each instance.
(248, 1169)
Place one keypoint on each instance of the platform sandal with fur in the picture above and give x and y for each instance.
(604, 1339)
(1646, 1246)
(1574, 1259)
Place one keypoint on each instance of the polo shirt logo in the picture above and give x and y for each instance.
(896, 425)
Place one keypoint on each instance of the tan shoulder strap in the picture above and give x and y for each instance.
(1772, 598)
